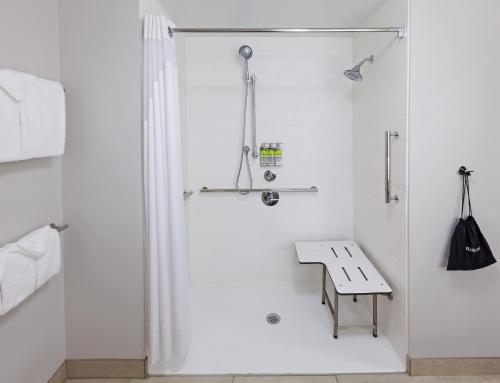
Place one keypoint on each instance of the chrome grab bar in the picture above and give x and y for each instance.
(388, 197)
(312, 189)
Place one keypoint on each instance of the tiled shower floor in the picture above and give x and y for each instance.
(230, 334)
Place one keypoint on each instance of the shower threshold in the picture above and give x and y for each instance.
(230, 334)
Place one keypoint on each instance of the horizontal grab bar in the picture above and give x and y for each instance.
(312, 189)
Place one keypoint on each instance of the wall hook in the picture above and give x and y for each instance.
(463, 171)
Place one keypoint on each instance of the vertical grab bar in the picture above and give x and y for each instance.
(388, 197)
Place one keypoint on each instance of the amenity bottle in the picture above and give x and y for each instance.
(263, 155)
(270, 155)
(278, 155)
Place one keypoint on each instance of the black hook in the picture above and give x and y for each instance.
(464, 172)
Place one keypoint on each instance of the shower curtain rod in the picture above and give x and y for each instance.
(400, 31)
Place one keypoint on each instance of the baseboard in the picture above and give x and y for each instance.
(60, 375)
(453, 366)
(106, 368)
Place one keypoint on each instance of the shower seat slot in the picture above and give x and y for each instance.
(350, 271)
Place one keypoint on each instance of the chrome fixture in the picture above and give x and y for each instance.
(246, 52)
(250, 80)
(388, 158)
(312, 189)
(269, 175)
(354, 74)
(400, 31)
(270, 198)
(58, 228)
(273, 318)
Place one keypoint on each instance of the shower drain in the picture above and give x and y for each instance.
(273, 318)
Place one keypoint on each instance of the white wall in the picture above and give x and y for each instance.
(454, 118)
(32, 343)
(302, 100)
(270, 13)
(380, 104)
(101, 69)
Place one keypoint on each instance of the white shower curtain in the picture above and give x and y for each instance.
(168, 310)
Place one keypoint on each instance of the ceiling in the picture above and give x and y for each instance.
(270, 13)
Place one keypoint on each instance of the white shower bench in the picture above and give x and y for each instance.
(350, 271)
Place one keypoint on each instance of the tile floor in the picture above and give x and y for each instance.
(383, 378)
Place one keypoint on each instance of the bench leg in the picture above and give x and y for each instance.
(324, 285)
(355, 298)
(375, 327)
(336, 316)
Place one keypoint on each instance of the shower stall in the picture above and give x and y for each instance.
(253, 308)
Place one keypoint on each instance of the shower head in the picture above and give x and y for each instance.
(246, 52)
(354, 74)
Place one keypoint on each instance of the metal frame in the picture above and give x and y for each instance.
(334, 309)
(400, 31)
(312, 189)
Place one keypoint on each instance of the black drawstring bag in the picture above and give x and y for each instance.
(469, 249)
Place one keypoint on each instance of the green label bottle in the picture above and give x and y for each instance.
(263, 155)
(270, 155)
(278, 155)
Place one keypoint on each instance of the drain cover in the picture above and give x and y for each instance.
(273, 318)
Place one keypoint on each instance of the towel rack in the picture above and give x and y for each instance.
(311, 189)
(59, 228)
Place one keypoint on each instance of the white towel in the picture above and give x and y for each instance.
(32, 117)
(3, 262)
(35, 244)
(44, 247)
(27, 264)
(18, 281)
(16, 84)
(49, 264)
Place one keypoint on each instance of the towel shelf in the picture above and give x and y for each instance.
(311, 189)
(58, 228)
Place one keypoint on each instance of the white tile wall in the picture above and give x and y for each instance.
(304, 101)
(380, 103)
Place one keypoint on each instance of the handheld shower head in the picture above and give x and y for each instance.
(246, 52)
(354, 74)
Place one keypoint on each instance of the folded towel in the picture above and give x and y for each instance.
(49, 264)
(43, 120)
(34, 244)
(3, 262)
(32, 117)
(27, 264)
(10, 128)
(16, 84)
(18, 281)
